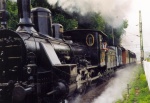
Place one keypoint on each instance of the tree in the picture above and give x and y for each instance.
(40, 3)
(68, 24)
(13, 14)
(98, 22)
(91, 21)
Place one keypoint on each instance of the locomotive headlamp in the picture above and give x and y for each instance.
(4, 15)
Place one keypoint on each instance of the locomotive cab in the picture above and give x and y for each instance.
(94, 40)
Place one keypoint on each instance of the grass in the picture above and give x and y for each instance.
(139, 92)
(148, 59)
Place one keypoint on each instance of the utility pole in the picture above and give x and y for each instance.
(141, 38)
(112, 35)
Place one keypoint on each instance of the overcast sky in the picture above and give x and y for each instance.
(130, 39)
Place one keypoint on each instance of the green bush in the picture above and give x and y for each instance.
(148, 59)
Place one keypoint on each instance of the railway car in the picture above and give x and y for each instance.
(128, 56)
(111, 57)
(132, 57)
(119, 57)
(125, 56)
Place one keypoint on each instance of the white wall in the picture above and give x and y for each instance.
(147, 71)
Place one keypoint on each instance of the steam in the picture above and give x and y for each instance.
(112, 11)
(117, 85)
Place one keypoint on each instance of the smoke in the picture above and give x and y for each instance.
(117, 85)
(112, 11)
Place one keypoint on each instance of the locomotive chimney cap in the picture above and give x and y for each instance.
(40, 9)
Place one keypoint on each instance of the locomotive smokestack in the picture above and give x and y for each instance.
(24, 12)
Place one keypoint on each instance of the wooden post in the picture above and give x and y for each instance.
(128, 90)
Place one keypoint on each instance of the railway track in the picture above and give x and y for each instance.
(93, 92)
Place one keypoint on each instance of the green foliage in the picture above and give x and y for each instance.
(91, 21)
(148, 59)
(40, 3)
(98, 22)
(68, 24)
(13, 14)
(139, 92)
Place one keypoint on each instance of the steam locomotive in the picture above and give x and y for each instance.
(41, 66)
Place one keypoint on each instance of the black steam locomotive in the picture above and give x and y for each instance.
(41, 66)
